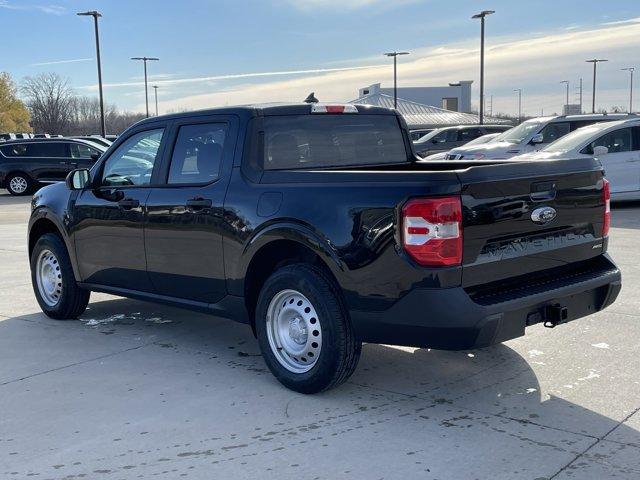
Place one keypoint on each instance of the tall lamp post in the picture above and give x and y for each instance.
(95, 14)
(566, 82)
(481, 16)
(155, 91)
(595, 62)
(630, 70)
(395, 74)
(146, 89)
(519, 90)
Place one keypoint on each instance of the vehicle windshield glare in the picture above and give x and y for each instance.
(518, 134)
(574, 139)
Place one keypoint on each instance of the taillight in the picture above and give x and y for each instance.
(606, 196)
(432, 230)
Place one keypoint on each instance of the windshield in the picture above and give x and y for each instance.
(574, 139)
(519, 133)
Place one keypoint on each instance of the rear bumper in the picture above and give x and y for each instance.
(460, 319)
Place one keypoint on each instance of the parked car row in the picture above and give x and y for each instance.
(614, 139)
(444, 139)
(27, 164)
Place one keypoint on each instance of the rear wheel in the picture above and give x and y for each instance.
(304, 331)
(19, 184)
(53, 281)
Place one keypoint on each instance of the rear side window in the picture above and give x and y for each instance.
(467, 134)
(42, 150)
(316, 141)
(197, 154)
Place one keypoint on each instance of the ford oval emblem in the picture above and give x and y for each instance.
(543, 215)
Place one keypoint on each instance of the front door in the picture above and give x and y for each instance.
(108, 223)
(620, 160)
(183, 233)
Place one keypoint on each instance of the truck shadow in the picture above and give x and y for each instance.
(496, 382)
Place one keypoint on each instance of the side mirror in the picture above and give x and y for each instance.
(95, 156)
(537, 138)
(600, 150)
(77, 179)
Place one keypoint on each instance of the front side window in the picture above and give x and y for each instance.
(132, 163)
(79, 150)
(616, 142)
(197, 154)
(317, 141)
(554, 131)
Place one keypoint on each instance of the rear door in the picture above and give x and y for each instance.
(503, 236)
(185, 221)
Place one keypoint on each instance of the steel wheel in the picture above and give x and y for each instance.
(18, 184)
(49, 278)
(294, 331)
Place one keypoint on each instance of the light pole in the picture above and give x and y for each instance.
(146, 90)
(630, 70)
(566, 108)
(519, 90)
(395, 74)
(595, 62)
(155, 91)
(481, 16)
(95, 14)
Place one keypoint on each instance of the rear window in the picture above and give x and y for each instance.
(316, 141)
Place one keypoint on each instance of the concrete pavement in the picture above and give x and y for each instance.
(136, 390)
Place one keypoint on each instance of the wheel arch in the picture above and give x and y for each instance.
(280, 246)
(42, 223)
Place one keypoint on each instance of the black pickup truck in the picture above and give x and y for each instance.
(319, 227)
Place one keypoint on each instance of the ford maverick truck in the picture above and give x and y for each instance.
(319, 227)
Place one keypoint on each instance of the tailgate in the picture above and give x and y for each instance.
(509, 227)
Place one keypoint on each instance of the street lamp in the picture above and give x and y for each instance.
(567, 102)
(146, 90)
(595, 62)
(395, 75)
(519, 90)
(95, 14)
(155, 91)
(481, 16)
(630, 70)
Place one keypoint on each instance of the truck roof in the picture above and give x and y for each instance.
(266, 109)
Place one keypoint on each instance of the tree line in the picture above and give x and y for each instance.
(46, 103)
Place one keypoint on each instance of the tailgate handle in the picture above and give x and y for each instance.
(543, 191)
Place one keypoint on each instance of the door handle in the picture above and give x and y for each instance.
(128, 203)
(633, 160)
(198, 203)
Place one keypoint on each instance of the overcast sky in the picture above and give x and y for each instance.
(224, 52)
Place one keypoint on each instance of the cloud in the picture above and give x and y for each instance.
(48, 9)
(342, 5)
(59, 62)
(236, 76)
(535, 64)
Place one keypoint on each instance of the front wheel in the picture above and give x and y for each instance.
(53, 281)
(304, 330)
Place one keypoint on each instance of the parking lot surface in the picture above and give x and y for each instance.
(137, 390)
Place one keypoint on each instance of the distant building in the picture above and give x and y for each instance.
(455, 97)
(572, 109)
(419, 116)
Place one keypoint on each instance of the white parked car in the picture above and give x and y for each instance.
(476, 141)
(615, 144)
(530, 136)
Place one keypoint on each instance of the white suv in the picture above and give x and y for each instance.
(530, 136)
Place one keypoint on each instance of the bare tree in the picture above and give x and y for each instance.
(50, 100)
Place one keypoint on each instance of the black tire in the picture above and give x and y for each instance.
(340, 351)
(72, 300)
(24, 179)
